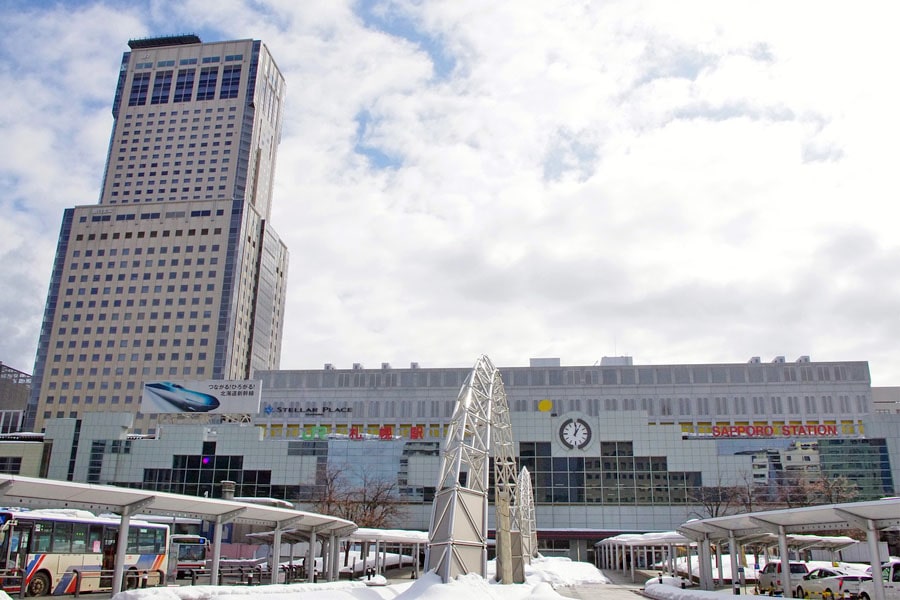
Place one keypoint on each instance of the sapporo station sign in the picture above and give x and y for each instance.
(788, 429)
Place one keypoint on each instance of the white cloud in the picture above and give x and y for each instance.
(684, 182)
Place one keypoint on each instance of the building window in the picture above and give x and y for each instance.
(139, 87)
(206, 90)
(231, 81)
(161, 86)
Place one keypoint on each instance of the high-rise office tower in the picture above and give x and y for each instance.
(177, 272)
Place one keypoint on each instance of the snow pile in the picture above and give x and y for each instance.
(559, 572)
(541, 577)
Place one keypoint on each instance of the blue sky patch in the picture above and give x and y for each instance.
(390, 19)
(377, 157)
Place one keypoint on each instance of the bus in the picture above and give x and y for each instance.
(186, 552)
(47, 550)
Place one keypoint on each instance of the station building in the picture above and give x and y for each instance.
(611, 448)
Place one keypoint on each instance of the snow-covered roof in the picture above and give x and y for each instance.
(32, 492)
(655, 538)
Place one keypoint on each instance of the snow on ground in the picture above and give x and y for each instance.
(541, 577)
(670, 589)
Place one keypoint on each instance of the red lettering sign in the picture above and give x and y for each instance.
(417, 432)
(355, 434)
(386, 432)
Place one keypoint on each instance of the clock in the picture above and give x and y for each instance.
(575, 433)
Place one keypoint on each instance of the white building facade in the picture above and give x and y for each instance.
(611, 449)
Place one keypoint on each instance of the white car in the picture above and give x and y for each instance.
(890, 578)
(770, 578)
(831, 582)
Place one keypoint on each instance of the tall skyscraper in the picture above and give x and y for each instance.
(177, 272)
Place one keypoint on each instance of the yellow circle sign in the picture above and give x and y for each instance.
(545, 405)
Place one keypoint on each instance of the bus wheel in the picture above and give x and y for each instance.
(131, 580)
(39, 585)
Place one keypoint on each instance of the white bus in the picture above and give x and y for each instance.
(49, 551)
(186, 553)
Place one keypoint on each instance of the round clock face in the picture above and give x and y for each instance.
(575, 433)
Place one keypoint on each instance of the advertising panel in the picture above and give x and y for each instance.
(210, 396)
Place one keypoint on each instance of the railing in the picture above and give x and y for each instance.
(240, 575)
(12, 578)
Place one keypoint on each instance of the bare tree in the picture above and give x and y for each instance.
(809, 489)
(749, 495)
(714, 501)
(831, 490)
(359, 497)
(793, 490)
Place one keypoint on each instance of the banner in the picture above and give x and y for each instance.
(211, 396)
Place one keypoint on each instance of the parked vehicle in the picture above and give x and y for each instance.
(771, 581)
(890, 578)
(828, 583)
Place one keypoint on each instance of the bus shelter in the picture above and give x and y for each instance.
(32, 492)
(382, 539)
(626, 551)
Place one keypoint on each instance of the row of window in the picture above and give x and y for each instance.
(108, 371)
(186, 82)
(166, 315)
(190, 61)
(189, 249)
(102, 317)
(135, 343)
(715, 374)
(134, 264)
(162, 343)
(85, 538)
(181, 138)
(140, 234)
(94, 291)
(190, 154)
(173, 113)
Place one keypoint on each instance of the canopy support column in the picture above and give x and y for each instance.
(122, 543)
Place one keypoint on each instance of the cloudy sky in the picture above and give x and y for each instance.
(675, 181)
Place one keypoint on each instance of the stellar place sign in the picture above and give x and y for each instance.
(308, 411)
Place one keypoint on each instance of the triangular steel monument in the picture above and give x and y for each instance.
(457, 538)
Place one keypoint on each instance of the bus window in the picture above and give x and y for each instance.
(41, 538)
(79, 538)
(62, 538)
(94, 537)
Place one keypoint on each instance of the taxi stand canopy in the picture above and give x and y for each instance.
(871, 517)
(611, 552)
(32, 492)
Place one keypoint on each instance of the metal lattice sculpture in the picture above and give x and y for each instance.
(527, 522)
(457, 537)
